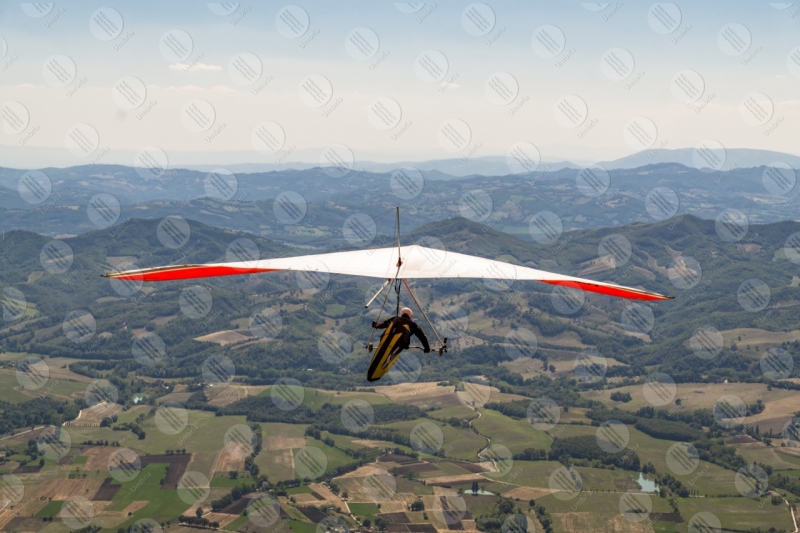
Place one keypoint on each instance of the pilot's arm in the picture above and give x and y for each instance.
(382, 325)
(417, 332)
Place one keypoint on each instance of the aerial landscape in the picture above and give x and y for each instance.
(639, 160)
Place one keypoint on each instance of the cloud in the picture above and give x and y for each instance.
(183, 67)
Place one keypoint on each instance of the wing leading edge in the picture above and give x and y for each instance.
(418, 262)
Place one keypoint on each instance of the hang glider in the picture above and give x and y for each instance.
(394, 266)
(415, 262)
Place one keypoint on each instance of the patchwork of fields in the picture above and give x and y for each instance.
(110, 477)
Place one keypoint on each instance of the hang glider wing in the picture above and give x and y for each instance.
(417, 262)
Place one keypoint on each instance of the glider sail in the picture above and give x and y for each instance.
(418, 262)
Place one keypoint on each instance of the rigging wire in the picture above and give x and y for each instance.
(423, 312)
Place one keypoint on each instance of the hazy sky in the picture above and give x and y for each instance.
(267, 82)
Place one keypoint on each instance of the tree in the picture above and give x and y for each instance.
(199, 512)
(366, 522)
(233, 474)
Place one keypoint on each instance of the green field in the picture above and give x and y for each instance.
(205, 432)
(459, 443)
(164, 504)
(301, 489)
(769, 456)
(370, 398)
(462, 412)
(279, 429)
(52, 508)
(336, 457)
(366, 510)
(12, 391)
(312, 398)
(739, 513)
(516, 435)
(708, 478)
(335, 310)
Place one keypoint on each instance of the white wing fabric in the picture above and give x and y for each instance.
(417, 262)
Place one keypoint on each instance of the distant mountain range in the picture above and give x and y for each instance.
(321, 204)
(26, 157)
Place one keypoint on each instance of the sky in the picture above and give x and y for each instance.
(185, 82)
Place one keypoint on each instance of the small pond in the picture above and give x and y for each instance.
(648, 485)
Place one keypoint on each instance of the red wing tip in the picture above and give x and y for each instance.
(181, 272)
(617, 291)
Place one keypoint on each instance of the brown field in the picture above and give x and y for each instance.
(406, 392)
(235, 508)
(562, 360)
(417, 468)
(223, 518)
(106, 492)
(323, 491)
(775, 414)
(396, 518)
(364, 471)
(24, 436)
(371, 444)
(203, 462)
(454, 480)
(705, 395)
(283, 443)
(475, 468)
(758, 337)
(177, 466)
(97, 457)
(27, 469)
(313, 514)
(591, 522)
(227, 461)
(285, 458)
(95, 414)
(61, 489)
(526, 493)
(224, 396)
(59, 369)
(436, 402)
(22, 523)
(224, 338)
